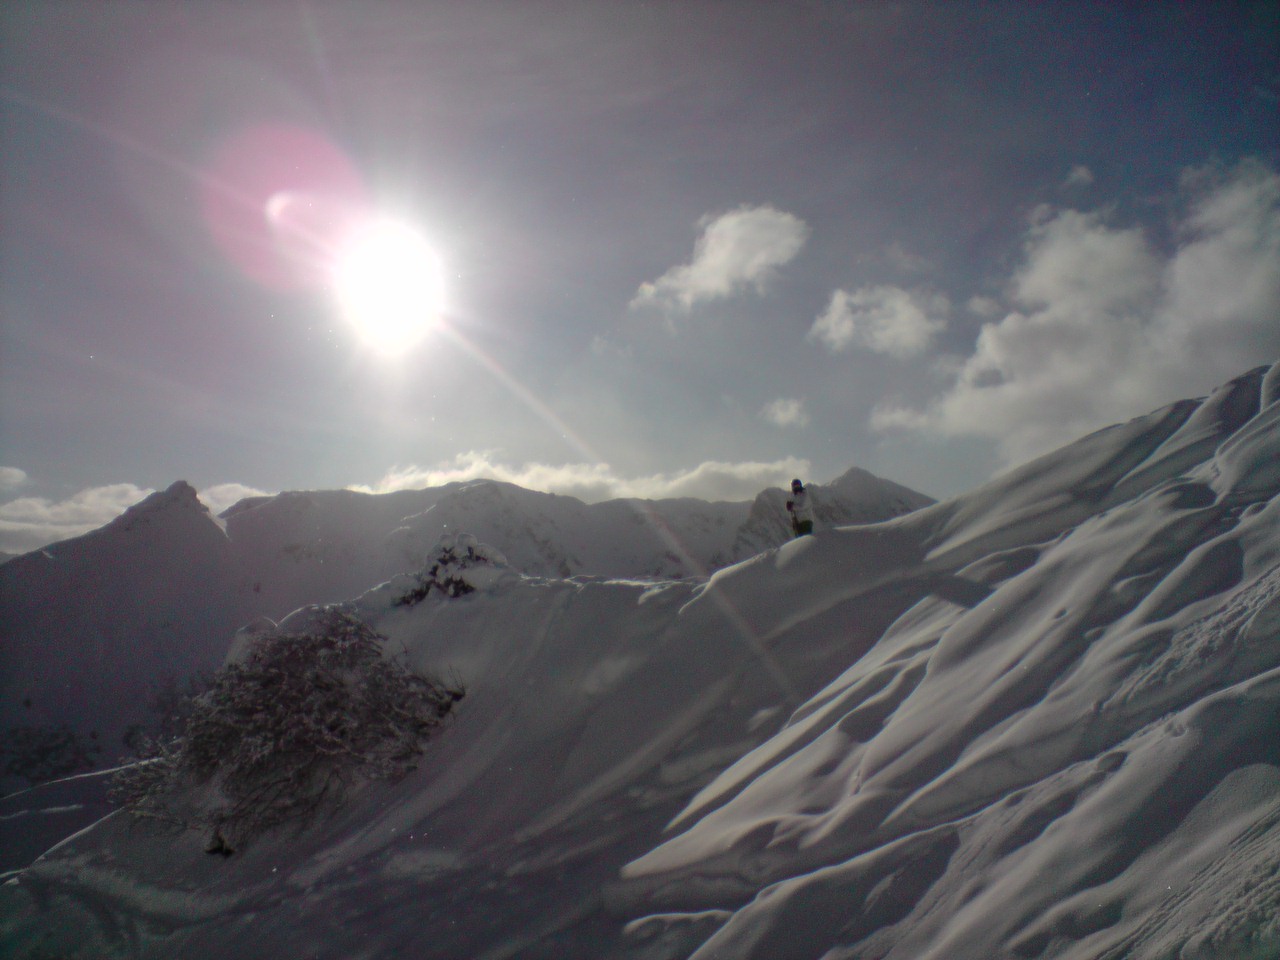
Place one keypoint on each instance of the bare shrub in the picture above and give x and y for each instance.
(287, 731)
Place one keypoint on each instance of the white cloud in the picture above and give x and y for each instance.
(11, 478)
(29, 523)
(906, 260)
(604, 346)
(716, 480)
(588, 481)
(1079, 176)
(220, 496)
(1107, 328)
(884, 319)
(786, 412)
(592, 482)
(983, 306)
(736, 250)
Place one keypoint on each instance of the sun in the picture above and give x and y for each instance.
(389, 285)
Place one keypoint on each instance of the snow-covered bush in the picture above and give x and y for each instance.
(287, 730)
(459, 565)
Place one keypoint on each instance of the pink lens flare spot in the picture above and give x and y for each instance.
(276, 199)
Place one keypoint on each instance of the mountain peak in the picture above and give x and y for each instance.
(864, 485)
(179, 498)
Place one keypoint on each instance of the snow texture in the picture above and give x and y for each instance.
(1038, 720)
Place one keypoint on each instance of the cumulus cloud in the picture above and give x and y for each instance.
(29, 523)
(885, 319)
(786, 412)
(984, 306)
(1106, 327)
(737, 250)
(1079, 176)
(906, 260)
(11, 478)
(593, 482)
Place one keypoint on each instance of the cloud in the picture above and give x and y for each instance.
(1079, 176)
(884, 319)
(220, 496)
(716, 480)
(587, 481)
(1105, 327)
(29, 523)
(11, 478)
(593, 482)
(907, 261)
(786, 412)
(737, 250)
(983, 306)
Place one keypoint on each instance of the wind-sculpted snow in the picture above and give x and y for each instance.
(1040, 720)
(1084, 764)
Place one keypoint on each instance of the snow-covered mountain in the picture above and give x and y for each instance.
(94, 625)
(1038, 720)
(91, 624)
(305, 547)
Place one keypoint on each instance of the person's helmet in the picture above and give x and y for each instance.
(796, 484)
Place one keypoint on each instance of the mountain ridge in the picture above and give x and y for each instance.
(266, 556)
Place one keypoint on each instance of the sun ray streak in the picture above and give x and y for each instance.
(132, 144)
(754, 643)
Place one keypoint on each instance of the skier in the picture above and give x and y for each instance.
(798, 507)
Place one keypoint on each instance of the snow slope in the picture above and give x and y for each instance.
(1082, 764)
(1039, 720)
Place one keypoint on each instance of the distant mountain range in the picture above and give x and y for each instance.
(156, 595)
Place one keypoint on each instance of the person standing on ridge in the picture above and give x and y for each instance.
(798, 507)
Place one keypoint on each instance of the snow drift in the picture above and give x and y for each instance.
(1039, 720)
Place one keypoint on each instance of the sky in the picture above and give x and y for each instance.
(614, 249)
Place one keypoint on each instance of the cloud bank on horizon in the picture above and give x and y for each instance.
(593, 482)
(29, 523)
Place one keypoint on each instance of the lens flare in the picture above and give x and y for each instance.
(271, 196)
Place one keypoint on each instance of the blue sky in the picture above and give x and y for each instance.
(682, 248)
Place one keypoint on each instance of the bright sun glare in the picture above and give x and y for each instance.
(389, 286)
